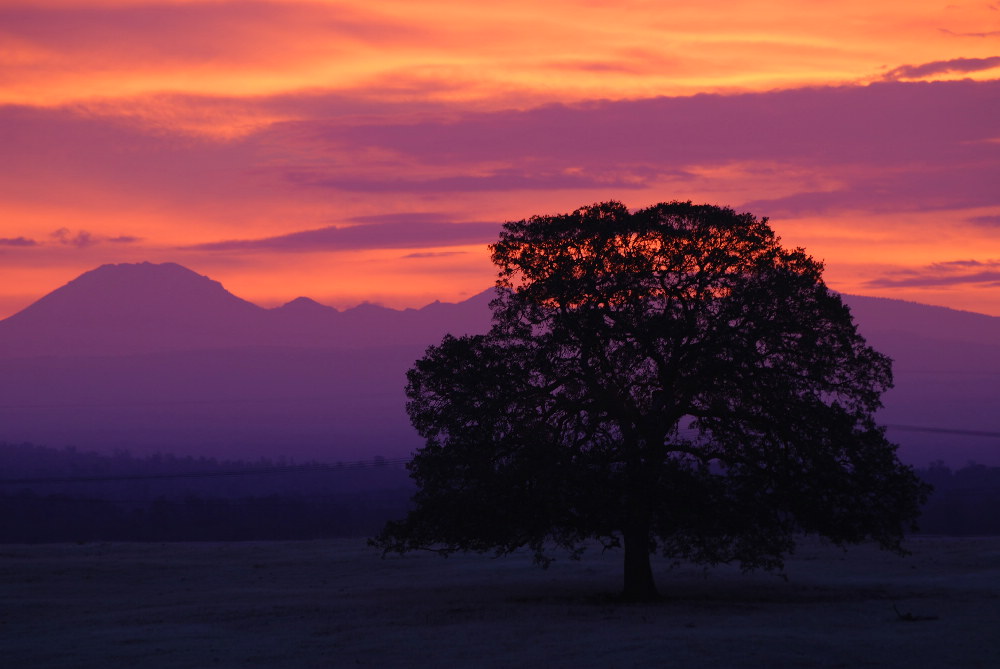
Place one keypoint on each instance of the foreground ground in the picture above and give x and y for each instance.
(336, 604)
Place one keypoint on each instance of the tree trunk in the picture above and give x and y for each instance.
(639, 585)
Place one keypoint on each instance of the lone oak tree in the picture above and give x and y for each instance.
(671, 380)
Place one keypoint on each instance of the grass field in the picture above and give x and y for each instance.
(337, 604)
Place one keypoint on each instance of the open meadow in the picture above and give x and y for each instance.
(337, 604)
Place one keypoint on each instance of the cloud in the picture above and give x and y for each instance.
(992, 33)
(990, 221)
(920, 187)
(881, 123)
(17, 241)
(410, 218)
(602, 67)
(82, 239)
(402, 234)
(435, 254)
(888, 146)
(942, 67)
(985, 273)
(204, 33)
(504, 179)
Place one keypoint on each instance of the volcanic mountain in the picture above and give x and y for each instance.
(128, 309)
(156, 358)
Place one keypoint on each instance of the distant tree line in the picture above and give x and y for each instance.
(60, 495)
(964, 502)
(30, 518)
(67, 495)
(122, 476)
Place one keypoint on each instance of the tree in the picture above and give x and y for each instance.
(671, 381)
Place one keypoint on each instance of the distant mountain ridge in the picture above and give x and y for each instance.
(883, 315)
(151, 358)
(130, 309)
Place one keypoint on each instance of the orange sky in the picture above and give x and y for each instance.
(351, 151)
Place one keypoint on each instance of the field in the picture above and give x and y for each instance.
(337, 604)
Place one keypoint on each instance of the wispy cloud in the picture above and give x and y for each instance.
(942, 67)
(435, 254)
(193, 45)
(990, 221)
(82, 239)
(409, 218)
(985, 273)
(876, 124)
(889, 146)
(404, 234)
(17, 241)
(921, 186)
(991, 33)
(504, 179)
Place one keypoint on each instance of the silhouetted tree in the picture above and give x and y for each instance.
(670, 380)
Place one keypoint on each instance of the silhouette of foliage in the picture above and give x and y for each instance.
(671, 380)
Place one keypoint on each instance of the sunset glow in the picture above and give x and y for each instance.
(356, 151)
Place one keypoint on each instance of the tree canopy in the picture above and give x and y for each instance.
(670, 380)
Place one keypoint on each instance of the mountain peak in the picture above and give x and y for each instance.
(137, 308)
(136, 292)
(129, 306)
(145, 274)
(305, 305)
(145, 266)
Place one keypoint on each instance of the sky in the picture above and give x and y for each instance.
(369, 151)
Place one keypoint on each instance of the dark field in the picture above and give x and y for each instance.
(336, 604)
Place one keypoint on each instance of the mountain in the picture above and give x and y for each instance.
(153, 358)
(946, 365)
(128, 308)
(881, 318)
(131, 309)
